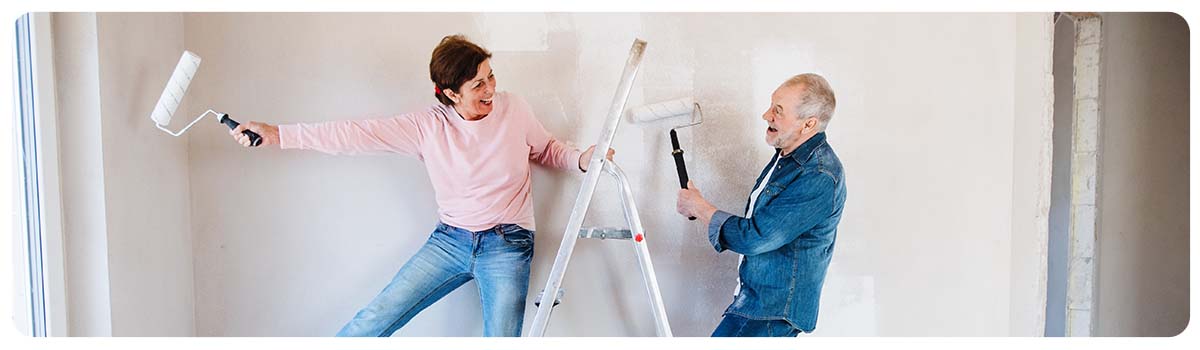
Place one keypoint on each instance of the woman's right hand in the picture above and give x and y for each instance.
(585, 157)
(268, 132)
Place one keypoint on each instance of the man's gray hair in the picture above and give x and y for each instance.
(818, 100)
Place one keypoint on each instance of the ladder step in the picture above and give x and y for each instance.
(557, 297)
(605, 233)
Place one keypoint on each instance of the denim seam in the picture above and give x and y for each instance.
(503, 238)
(829, 173)
(742, 327)
(768, 318)
(481, 306)
(792, 286)
(797, 327)
(476, 247)
(833, 198)
(762, 318)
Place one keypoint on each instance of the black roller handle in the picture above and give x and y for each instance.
(680, 168)
(255, 139)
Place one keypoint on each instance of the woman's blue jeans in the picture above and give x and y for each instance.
(497, 258)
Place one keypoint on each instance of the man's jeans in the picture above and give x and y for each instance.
(737, 326)
(498, 258)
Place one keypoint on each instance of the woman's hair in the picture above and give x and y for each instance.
(455, 60)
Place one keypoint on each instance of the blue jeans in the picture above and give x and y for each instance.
(737, 326)
(498, 258)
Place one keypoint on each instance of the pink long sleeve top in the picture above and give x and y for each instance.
(480, 169)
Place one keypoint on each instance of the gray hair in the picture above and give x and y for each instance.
(818, 100)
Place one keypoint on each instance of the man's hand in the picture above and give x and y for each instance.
(586, 157)
(691, 204)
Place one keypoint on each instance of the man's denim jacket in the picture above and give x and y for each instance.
(788, 241)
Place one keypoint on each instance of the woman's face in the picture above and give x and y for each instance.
(473, 100)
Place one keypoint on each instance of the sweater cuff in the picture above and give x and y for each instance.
(289, 136)
(714, 229)
(574, 154)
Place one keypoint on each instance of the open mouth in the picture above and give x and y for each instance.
(772, 130)
(486, 102)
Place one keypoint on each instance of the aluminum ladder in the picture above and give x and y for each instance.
(552, 293)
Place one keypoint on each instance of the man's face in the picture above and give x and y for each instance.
(785, 128)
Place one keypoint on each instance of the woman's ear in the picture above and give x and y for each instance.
(451, 95)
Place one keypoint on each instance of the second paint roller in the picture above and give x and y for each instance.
(686, 106)
(173, 94)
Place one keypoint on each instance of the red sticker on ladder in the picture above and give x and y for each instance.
(638, 237)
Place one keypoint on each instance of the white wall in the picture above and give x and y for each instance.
(1143, 186)
(942, 125)
(125, 184)
(1033, 98)
(84, 223)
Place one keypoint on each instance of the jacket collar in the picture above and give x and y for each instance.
(801, 154)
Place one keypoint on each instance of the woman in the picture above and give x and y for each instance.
(476, 144)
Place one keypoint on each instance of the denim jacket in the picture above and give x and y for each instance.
(788, 241)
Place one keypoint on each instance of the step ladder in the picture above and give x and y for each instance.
(552, 294)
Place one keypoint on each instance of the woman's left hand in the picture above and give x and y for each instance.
(586, 157)
(268, 132)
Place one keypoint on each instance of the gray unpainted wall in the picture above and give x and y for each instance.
(1143, 248)
(125, 186)
(147, 207)
(1060, 189)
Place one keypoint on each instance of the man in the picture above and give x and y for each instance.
(786, 236)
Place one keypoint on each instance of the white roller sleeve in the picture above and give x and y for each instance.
(663, 110)
(176, 87)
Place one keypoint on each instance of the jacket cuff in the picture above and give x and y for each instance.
(714, 229)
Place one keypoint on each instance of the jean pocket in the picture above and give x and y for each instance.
(517, 236)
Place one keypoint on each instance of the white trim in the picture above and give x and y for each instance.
(51, 196)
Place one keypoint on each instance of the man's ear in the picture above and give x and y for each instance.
(812, 122)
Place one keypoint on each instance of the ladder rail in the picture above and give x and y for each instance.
(587, 188)
(661, 325)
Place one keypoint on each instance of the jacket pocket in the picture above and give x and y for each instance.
(770, 192)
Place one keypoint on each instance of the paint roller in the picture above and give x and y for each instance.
(173, 93)
(670, 109)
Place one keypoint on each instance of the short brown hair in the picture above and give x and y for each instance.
(455, 61)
